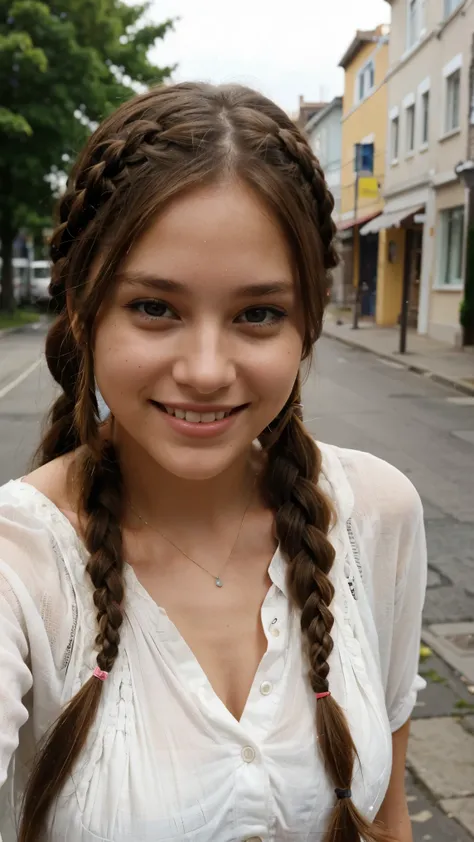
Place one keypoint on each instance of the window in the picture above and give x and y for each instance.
(415, 21)
(371, 75)
(410, 127)
(453, 89)
(365, 81)
(452, 235)
(425, 117)
(394, 137)
(450, 6)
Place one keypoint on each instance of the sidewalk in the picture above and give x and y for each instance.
(440, 760)
(425, 356)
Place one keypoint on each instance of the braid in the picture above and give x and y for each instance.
(303, 517)
(101, 502)
(64, 363)
(99, 178)
(299, 151)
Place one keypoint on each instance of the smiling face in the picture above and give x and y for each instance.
(204, 319)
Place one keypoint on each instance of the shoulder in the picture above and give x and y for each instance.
(33, 525)
(373, 488)
(53, 481)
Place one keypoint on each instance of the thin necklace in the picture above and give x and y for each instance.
(217, 579)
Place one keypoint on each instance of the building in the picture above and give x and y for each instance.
(364, 120)
(465, 171)
(324, 132)
(422, 226)
(306, 111)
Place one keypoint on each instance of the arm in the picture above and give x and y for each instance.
(393, 814)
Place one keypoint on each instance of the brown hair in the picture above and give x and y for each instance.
(153, 148)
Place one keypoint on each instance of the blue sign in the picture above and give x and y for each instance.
(364, 157)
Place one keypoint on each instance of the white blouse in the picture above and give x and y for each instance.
(165, 760)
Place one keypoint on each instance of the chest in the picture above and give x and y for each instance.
(222, 626)
(181, 765)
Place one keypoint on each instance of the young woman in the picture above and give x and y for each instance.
(209, 625)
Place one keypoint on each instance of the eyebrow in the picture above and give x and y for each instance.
(256, 290)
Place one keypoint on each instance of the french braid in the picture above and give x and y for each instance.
(155, 147)
(303, 517)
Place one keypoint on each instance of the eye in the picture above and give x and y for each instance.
(262, 316)
(152, 309)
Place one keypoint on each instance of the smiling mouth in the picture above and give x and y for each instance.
(198, 417)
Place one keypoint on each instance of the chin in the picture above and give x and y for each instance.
(197, 463)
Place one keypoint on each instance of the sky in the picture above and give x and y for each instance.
(283, 48)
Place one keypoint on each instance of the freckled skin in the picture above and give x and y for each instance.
(214, 241)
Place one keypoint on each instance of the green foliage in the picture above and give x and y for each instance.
(18, 319)
(64, 66)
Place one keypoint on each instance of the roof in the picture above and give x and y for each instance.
(316, 118)
(362, 37)
(307, 110)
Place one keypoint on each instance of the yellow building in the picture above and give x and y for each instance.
(364, 120)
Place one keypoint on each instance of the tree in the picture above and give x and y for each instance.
(64, 66)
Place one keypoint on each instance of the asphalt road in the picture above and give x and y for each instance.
(355, 400)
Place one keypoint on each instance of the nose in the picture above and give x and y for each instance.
(205, 362)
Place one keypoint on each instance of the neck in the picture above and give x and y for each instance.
(162, 498)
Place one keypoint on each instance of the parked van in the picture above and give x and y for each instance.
(39, 281)
(30, 280)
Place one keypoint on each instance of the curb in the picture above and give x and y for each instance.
(459, 386)
(8, 331)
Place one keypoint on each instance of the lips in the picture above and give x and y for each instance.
(194, 417)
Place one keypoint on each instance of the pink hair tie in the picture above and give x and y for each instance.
(100, 674)
(323, 695)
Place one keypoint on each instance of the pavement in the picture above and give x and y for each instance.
(368, 401)
(443, 363)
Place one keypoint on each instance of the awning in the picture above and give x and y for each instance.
(344, 224)
(389, 220)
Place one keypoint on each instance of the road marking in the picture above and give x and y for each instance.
(14, 383)
(461, 401)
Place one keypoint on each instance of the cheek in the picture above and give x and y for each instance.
(275, 368)
(122, 360)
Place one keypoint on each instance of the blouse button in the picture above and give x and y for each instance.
(274, 631)
(266, 688)
(248, 754)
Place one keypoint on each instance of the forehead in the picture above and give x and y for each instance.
(223, 231)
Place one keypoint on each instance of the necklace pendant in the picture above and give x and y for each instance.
(219, 583)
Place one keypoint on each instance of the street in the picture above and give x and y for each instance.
(354, 399)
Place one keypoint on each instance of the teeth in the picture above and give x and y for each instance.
(196, 417)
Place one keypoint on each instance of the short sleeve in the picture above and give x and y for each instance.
(387, 529)
(16, 678)
(403, 681)
(35, 629)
